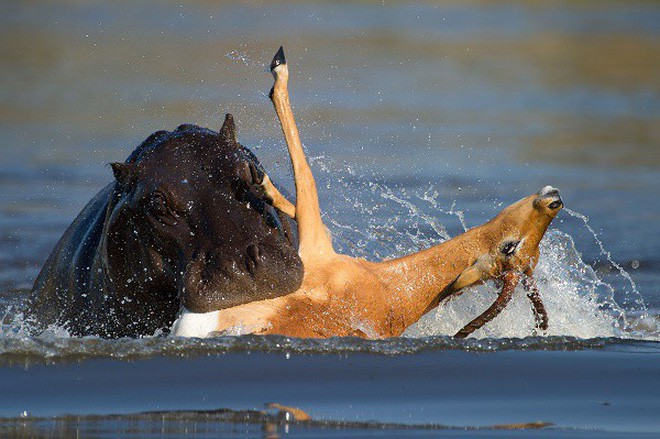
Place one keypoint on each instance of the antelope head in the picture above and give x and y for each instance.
(509, 251)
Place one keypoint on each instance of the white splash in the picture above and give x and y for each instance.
(578, 303)
(235, 55)
(191, 324)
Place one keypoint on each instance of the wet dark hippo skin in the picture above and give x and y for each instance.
(181, 225)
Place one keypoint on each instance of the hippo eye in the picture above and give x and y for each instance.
(158, 204)
(555, 204)
(509, 247)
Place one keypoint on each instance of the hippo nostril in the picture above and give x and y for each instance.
(254, 251)
(253, 259)
(251, 266)
(207, 265)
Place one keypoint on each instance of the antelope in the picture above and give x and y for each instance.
(346, 296)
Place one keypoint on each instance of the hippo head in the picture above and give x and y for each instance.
(184, 205)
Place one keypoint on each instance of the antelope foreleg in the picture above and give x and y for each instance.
(510, 280)
(262, 183)
(540, 314)
(276, 199)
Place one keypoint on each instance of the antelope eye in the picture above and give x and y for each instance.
(509, 247)
(555, 204)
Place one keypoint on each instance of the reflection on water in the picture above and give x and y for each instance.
(224, 422)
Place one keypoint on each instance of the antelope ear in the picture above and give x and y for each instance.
(477, 272)
(228, 130)
(123, 172)
(468, 277)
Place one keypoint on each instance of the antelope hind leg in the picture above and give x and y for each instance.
(314, 241)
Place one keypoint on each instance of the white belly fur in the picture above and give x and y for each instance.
(191, 324)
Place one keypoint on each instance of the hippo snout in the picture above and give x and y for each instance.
(208, 267)
(215, 280)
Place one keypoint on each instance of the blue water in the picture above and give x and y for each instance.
(419, 120)
(593, 391)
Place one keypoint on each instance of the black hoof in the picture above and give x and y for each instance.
(278, 59)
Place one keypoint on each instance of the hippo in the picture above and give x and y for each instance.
(183, 226)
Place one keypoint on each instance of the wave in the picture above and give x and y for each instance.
(579, 303)
(53, 349)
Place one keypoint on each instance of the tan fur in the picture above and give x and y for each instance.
(276, 198)
(345, 296)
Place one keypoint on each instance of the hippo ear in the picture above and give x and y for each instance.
(123, 172)
(228, 130)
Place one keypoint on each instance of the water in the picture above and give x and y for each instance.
(420, 121)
